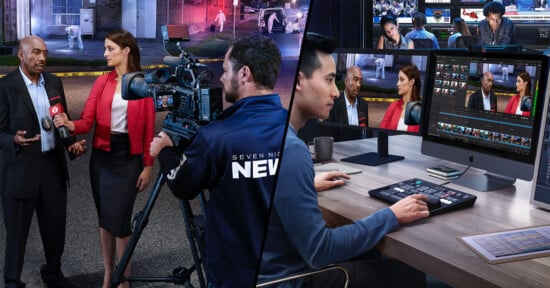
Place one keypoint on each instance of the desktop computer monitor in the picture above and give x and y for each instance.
(380, 101)
(502, 139)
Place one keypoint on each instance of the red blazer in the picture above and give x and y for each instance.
(141, 118)
(512, 106)
(391, 118)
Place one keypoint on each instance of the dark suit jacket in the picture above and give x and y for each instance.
(339, 113)
(17, 113)
(476, 101)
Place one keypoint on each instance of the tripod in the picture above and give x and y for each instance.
(195, 230)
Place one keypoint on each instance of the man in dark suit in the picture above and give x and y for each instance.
(484, 99)
(349, 108)
(32, 161)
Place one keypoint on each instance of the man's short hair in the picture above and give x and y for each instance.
(312, 44)
(261, 55)
(493, 8)
(419, 19)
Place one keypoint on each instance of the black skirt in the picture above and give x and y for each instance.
(114, 176)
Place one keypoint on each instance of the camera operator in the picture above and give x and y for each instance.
(235, 158)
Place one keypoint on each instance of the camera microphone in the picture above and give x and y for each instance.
(174, 61)
(57, 108)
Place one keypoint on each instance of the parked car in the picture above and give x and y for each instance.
(264, 14)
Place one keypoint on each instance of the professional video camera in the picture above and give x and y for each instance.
(191, 100)
(187, 93)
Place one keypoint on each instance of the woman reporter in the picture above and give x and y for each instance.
(523, 86)
(408, 87)
(120, 164)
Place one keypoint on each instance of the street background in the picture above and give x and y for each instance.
(163, 244)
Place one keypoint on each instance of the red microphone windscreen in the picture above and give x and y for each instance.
(56, 109)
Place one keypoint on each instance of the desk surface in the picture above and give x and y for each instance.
(431, 244)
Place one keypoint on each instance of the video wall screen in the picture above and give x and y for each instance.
(527, 12)
(472, 15)
(401, 9)
(438, 15)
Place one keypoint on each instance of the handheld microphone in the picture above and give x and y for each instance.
(56, 108)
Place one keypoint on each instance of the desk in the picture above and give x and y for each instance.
(431, 244)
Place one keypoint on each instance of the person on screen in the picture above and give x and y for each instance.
(419, 32)
(459, 29)
(391, 38)
(164, 102)
(298, 237)
(495, 29)
(484, 99)
(410, 7)
(349, 108)
(523, 86)
(408, 87)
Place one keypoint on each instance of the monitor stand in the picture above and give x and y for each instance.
(376, 158)
(486, 182)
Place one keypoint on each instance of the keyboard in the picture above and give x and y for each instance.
(441, 198)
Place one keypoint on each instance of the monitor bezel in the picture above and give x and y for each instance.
(468, 154)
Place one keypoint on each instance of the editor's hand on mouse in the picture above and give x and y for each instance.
(411, 208)
(328, 180)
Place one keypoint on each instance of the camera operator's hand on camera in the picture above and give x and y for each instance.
(159, 142)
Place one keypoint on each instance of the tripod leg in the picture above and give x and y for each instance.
(193, 227)
(141, 221)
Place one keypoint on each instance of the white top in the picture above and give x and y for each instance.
(518, 110)
(119, 110)
(401, 126)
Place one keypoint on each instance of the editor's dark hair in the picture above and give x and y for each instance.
(261, 55)
(461, 26)
(124, 39)
(494, 8)
(312, 44)
(387, 19)
(419, 19)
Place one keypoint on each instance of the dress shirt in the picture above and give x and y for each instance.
(353, 118)
(486, 101)
(41, 104)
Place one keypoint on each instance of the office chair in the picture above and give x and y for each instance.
(423, 43)
(466, 41)
(301, 275)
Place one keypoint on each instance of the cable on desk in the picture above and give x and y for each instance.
(461, 174)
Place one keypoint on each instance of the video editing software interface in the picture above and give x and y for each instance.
(495, 132)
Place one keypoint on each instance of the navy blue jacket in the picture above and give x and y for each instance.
(236, 159)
